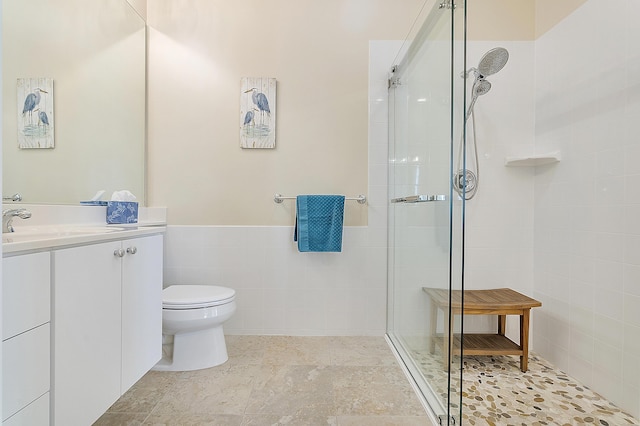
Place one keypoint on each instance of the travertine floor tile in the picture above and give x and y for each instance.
(121, 419)
(292, 350)
(267, 420)
(361, 351)
(278, 380)
(185, 419)
(211, 391)
(382, 421)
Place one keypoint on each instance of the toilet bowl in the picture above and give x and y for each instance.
(192, 334)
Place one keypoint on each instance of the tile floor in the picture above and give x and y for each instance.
(353, 381)
(279, 380)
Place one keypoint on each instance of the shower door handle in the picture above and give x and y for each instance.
(419, 198)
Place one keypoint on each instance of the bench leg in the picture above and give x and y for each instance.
(448, 339)
(524, 340)
(433, 322)
(502, 324)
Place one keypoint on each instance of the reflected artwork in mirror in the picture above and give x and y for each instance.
(35, 113)
(95, 53)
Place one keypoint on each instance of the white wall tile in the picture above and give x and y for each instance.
(595, 184)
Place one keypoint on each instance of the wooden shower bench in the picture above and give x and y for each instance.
(500, 302)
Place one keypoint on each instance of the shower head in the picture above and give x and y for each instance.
(493, 61)
(480, 87)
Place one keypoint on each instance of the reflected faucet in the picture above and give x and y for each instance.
(9, 214)
(14, 197)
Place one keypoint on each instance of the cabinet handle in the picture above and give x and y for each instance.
(132, 250)
(119, 252)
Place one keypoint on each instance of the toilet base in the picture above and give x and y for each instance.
(193, 351)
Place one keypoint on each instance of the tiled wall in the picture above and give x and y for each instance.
(587, 207)
(278, 289)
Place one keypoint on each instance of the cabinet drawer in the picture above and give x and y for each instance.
(26, 292)
(25, 369)
(34, 414)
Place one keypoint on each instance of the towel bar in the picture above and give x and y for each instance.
(278, 198)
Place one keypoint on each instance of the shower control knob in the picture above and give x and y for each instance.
(132, 250)
(118, 253)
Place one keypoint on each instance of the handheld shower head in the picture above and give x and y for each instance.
(480, 87)
(493, 61)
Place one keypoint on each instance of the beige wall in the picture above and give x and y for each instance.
(501, 19)
(515, 19)
(551, 12)
(140, 6)
(317, 51)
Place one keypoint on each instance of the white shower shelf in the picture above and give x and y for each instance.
(533, 160)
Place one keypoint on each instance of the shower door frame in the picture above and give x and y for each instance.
(448, 411)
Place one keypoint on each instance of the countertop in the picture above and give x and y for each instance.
(26, 239)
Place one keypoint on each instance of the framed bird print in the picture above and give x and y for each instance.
(35, 113)
(258, 112)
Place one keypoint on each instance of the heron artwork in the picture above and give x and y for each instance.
(43, 118)
(260, 100)
(248, 118)
(257, 113)
(35, 113)
(31, 102)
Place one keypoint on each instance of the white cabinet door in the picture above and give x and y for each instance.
(141, 307)
(34, 414)
(25, 328)
(25, 365)
(26, 290)
(87, 330)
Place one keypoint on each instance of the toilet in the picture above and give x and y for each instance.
(192, 318)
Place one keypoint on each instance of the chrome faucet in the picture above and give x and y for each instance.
(9, 214)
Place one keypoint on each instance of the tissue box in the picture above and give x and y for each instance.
(122, 212)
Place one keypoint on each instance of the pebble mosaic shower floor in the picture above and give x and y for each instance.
(496, 392)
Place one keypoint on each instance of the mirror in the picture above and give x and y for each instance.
(95, 53)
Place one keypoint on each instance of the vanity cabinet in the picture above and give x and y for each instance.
(141, 308)
(26, 339)
(107, 324)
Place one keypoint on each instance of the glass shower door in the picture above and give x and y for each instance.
(425, 219)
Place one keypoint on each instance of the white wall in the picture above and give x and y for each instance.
(278, 289)
(587, 237)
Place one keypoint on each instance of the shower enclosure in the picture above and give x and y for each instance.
(427, 99)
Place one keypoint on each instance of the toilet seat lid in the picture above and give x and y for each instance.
(196, 296)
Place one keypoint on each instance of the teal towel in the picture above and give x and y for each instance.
(319, 220)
